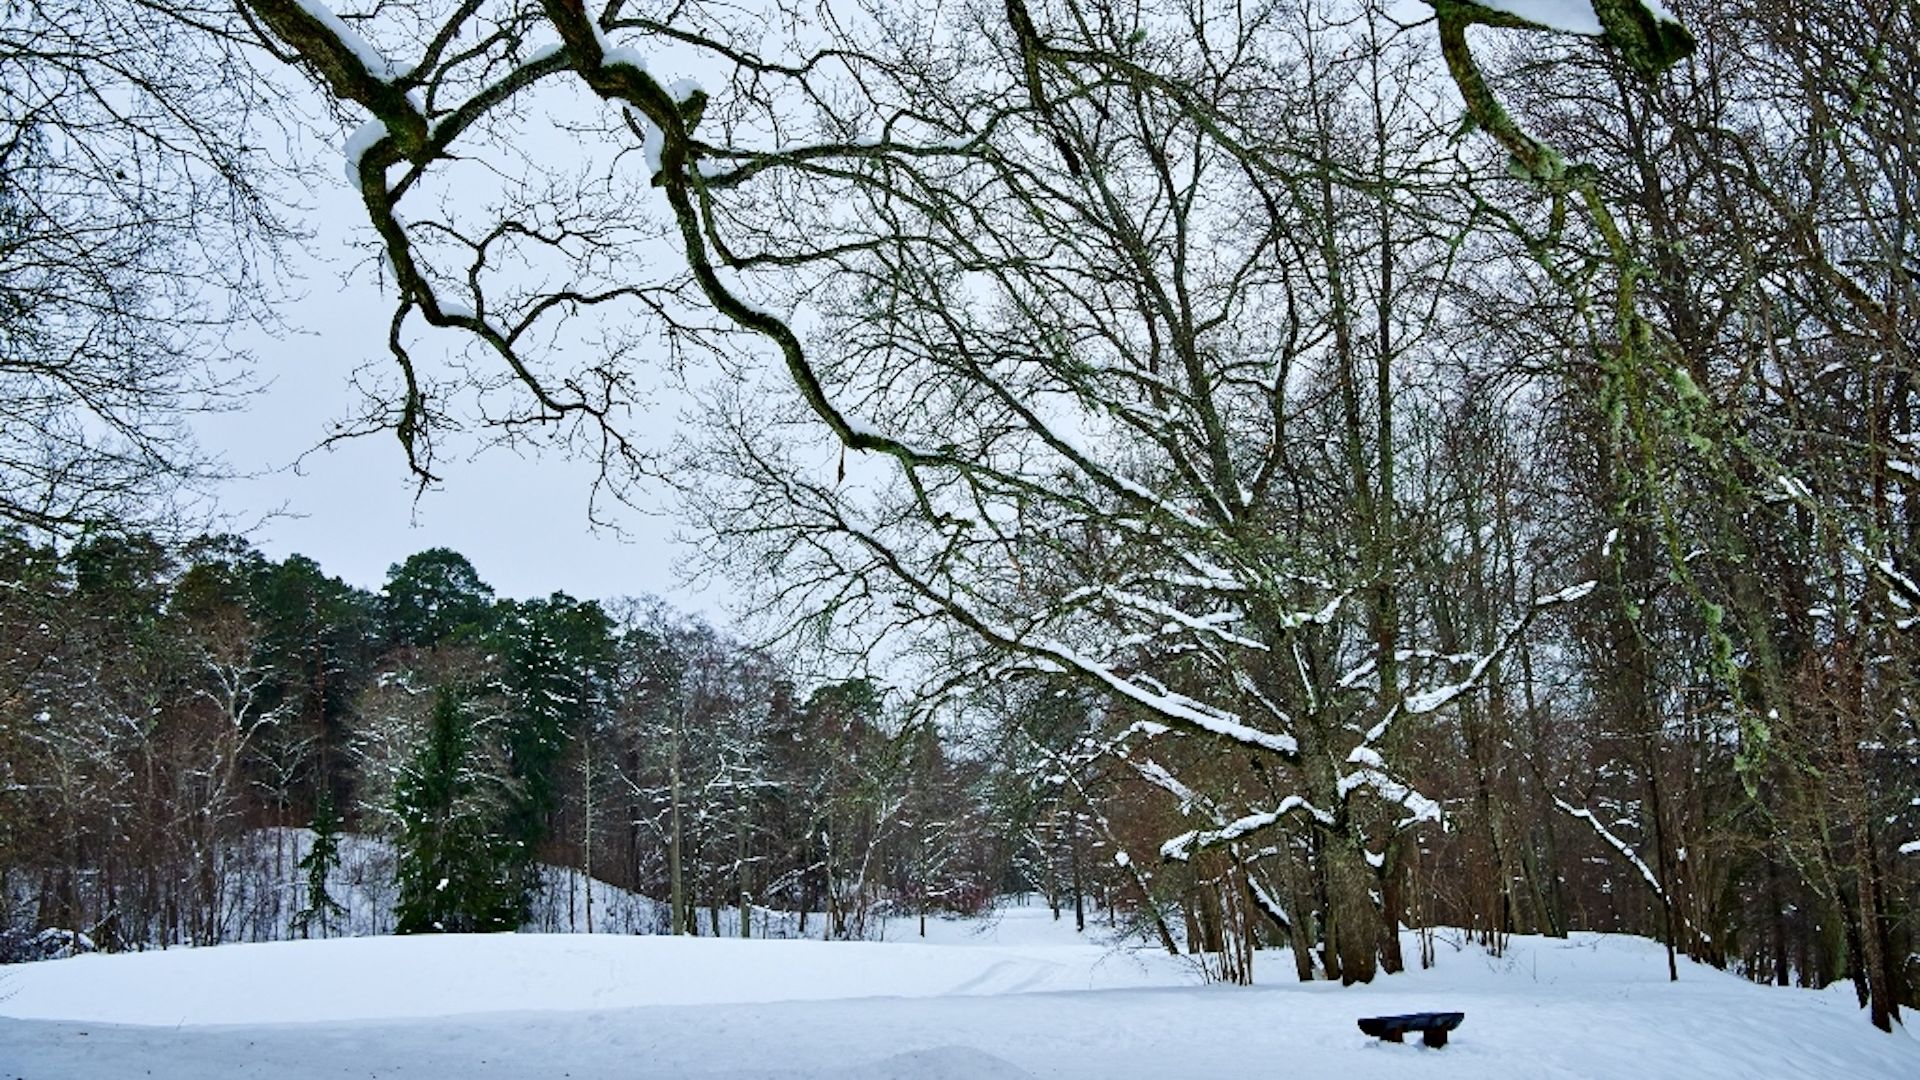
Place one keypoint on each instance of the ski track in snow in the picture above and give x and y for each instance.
(1012, 998)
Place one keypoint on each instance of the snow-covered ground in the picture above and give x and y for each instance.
(260, 888)
(1020, 996)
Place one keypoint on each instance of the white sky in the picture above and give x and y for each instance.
(522, 522)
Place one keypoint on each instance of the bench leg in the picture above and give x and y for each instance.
(1394, 1036)
(1436, 1038)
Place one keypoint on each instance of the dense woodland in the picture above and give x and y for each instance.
(163, 706)
(1305, 468)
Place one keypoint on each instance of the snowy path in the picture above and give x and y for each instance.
(992, 1008)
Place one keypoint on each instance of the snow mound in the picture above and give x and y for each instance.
(457, 974)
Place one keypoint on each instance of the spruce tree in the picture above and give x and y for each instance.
(320, 861)
(558, 653)
(457, 867)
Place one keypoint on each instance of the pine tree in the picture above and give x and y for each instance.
(435, 597)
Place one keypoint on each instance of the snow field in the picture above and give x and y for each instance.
(349, 979)
(1021, 996)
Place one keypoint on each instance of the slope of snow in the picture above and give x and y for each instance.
(261, 888)
(1035, 1001)
(1024, 922)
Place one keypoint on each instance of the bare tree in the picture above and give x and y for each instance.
(1121, 300)
(137, 212)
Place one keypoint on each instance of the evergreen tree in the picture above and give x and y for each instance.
(320, 861)
(436, 597)
(559, 655)
(320, 636)
(457, 868)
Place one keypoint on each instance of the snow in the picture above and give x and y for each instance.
(430, 975)
(1173, 705)
(1569, 594)
(600, 36)
(1181, 847)
(1419, 807)
(1567, 16)
(1366, 755)
(1322, 617)
(1214, 625)
(1426, 701)
(1626, 850)
(1893, 574)
(653, 142)
(370, 58)
(358, 144)
(627, 55)
(1019, 997)
(758, 308)
(858, 424)
(1145, 495)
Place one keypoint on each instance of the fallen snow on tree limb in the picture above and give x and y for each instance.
(1214, 625)
(1569, 594)
(1176, 706)
(1156, 774)
(1419, 808)
(1181, 847)
(1626, 850)
(358, 143)
(1295, 619)
(372, 59)
(1566, 16)
(1427, 701)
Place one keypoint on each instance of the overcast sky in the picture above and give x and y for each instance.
(523, 523)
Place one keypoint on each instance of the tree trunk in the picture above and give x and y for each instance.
(1353, 919)
(675, 876)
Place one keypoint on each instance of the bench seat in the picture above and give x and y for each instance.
(1432, 1026)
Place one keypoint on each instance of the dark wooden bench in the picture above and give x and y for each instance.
(1433, 1026)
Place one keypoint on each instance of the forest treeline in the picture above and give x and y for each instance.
(159, 705)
